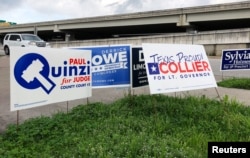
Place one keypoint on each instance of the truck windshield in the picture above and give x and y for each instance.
(31, 38)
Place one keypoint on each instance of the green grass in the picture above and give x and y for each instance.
(137, 126)
(241, 83)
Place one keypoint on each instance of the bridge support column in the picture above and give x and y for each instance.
(183, 21)
(35, 30)
(69, 36)
(56, 29)
(190, 29)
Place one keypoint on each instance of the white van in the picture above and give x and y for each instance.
(22, 40)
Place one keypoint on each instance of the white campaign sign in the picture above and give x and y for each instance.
(41, 76)
(177, 67)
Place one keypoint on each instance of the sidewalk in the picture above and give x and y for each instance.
(239, 95)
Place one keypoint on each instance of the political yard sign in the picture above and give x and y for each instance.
(235, 59)
(110, 65)
(139, 73)
(177, 67)
(41, 76)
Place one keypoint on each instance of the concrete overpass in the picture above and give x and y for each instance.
(202, 18)
(175, 25)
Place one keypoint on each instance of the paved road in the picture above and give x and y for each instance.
(104, 95)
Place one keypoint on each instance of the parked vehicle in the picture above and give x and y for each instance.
(22, 40)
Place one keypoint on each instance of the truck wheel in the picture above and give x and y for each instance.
(6, 50)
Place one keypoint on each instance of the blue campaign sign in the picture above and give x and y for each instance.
(110, 65)
(238, 59)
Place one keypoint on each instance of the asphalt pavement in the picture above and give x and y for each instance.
(107, 95)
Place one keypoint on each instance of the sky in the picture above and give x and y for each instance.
(29, 11)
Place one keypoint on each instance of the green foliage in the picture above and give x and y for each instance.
(241, 83)
(135, 126)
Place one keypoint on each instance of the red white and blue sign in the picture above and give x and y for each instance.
(235, 59)
(176, 67)
(41, 76)
(110, 65)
